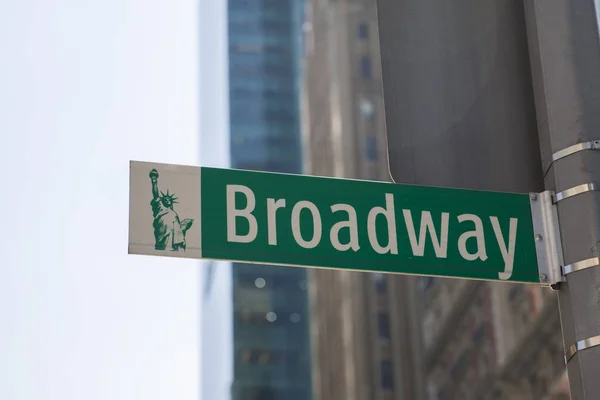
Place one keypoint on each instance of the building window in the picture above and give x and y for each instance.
(387, 375)
(380, 283)
(427, 283)
(363, 31)
(246, 280)
(365, 67)
(371, 148)
(367, 110)
(383, 325)
(248, 317)
(261, 356)
(245, 356)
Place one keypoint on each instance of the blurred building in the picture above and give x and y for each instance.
(491, 341)
(389, 337)
(268, 313)
(362, 341)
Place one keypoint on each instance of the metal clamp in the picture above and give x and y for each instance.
(574, 191)
(580, 265)
(547, 239)
(581, 345)
(576, 148)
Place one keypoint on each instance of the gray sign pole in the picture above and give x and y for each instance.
(565, 53)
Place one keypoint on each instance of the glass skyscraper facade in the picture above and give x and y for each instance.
(269, 305)
(270, 320)
(264, 58)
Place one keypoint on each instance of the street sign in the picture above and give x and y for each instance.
(296, 220)
(458, 98)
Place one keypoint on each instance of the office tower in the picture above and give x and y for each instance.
(359, 332)
(270, 355)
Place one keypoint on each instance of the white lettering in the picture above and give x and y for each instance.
(508, 252)
(477, 234)
(233, 213)
(351, 224)
(312, 243)
(272, 207)
(418, 247)
(390, 216)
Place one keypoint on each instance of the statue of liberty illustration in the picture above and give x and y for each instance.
(169, 230)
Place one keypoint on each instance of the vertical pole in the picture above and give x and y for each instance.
(565, 58)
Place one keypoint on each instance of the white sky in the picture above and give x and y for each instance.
(85, 86)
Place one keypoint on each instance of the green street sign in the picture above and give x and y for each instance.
(282, 219)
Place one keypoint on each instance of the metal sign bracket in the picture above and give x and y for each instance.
(548, 245)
